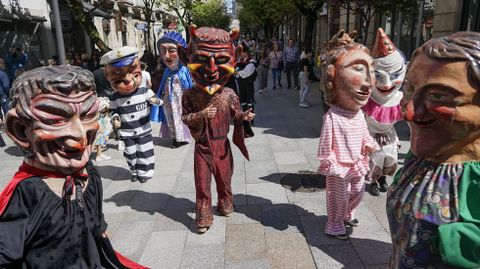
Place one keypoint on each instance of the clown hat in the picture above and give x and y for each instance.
(383, 45)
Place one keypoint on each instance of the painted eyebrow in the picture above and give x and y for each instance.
(55, 107)
(87, 104)
(442, 87)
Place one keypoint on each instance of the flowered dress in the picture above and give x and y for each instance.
(434, 215)
(105, 128)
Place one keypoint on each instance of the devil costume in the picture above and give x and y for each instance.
(212, 154)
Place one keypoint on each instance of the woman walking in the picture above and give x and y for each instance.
(276, 65)
(263, 66)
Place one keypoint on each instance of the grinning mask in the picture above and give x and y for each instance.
(390, 68)
(212, 57)
(122, 69)
(53, 117)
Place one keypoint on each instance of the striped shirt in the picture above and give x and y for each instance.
(344, 141)
(134, 112)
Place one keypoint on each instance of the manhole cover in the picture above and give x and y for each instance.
(304, 181)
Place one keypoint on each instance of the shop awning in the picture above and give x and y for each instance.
(96, 11)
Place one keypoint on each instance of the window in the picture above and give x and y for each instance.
(124, 33)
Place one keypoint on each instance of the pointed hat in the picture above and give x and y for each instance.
(383, 45)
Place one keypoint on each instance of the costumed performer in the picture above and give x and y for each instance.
(433, 202)
(383, 110)
(51, 211)
(345, 144)
(208, 109)
(130, 106)
(175, 80)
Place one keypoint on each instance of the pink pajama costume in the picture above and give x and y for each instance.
(343, 153)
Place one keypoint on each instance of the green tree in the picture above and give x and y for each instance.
(309, 9)
(264, 14)
(183, 10)
(367, 9)
(85, 19)
(147, 9)
(211, 13)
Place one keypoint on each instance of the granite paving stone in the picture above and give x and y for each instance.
(289, 250)
(209, 256)
(245, 242)
(164, 249)
(257, 264)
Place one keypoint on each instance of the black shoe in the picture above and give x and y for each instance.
(374, 189)
(280, 85)
(383, 184)
(340, 236)
(352, 223)
(134, 178)
(174, 144)
(274, 88)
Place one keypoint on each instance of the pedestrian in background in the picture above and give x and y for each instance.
(275, 58)
(291, 56)
(306, 76)
(263, 66)
(146, 78)
(4, 90)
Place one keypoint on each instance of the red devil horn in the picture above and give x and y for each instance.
(193, 31)
(234, 33)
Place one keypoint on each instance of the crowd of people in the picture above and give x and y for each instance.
(432, 204)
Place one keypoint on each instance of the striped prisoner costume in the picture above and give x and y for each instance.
(135, 131)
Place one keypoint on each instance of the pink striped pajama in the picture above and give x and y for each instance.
(345, 144)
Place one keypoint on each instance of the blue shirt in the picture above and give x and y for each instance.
(291, 54)
(4, 84)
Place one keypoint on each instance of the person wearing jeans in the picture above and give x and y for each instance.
(291, 55)
(275, 57)
(306, 77)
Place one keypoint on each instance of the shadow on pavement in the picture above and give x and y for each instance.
(141, 201)
(112, 172)
(162, 142)
(13, 151)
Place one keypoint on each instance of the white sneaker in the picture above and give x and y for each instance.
(304, 105)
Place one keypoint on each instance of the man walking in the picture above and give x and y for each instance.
(291, 56)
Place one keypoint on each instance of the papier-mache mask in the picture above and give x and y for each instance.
(390, 67)
(441, 98)
(53, 117)
(212, 57)
(347, 72)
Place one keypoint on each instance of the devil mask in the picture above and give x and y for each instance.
(441, 99)
(212, 57)
(53, 117)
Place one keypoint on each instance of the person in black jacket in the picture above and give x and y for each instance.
(246, 74)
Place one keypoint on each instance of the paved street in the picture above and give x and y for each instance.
(272, 227)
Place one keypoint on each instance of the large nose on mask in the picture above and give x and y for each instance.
(212, 67)
(78, 137)
(409, 109)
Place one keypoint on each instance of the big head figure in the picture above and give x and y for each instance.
(390, 68)
(122, 69)
(171, 47)
(53, 117)
(212, 57)
(347, 73)
(442, 98)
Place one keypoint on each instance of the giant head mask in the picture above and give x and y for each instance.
(390, 67)
(171, 46)
(442, 98)
(122, 69)
(212, 57)
(347, 72)
(53, 117)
